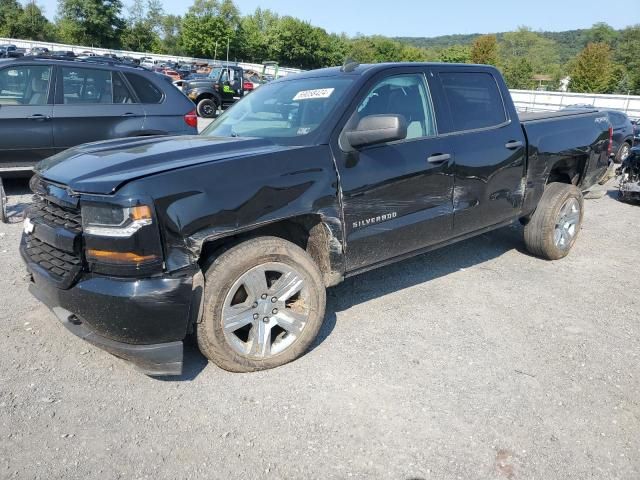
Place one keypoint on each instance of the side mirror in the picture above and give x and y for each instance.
(375, 129)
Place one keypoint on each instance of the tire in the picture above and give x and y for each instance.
(545, 235)
(261, 332)
(207, 108)
(623, 152)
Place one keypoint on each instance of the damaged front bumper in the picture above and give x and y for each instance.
(143, 321)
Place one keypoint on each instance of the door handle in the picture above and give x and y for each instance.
(439, 158)
(513, 145)
(128, 114)
(38, 117)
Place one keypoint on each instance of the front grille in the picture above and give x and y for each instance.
(63, 265)
(55, 245)
(54, 215)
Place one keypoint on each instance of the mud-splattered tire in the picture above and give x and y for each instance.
(554, 226)
(264, 304)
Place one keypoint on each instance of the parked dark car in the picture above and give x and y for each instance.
(62, 53)
(636, 132)
(236, 233)
(623, 135)
(48, 105)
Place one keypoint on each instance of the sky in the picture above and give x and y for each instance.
(430, 18)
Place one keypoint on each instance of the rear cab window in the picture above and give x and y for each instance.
(473, 99)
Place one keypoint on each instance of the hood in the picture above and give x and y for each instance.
(103, 167)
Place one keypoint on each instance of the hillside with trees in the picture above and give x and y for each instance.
(598, 60)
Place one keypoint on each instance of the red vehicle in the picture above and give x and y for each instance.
(247, 86)
(171, 73)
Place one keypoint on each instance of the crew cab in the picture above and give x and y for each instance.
(235, 234)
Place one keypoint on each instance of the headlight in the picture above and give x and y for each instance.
(121, 238)
(115, 221)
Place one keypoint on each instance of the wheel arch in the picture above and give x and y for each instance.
(314, 233)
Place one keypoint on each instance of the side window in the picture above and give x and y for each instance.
(474, 100)
(86, 86)
(404, 95)
(25, 85)
(146, 91)
(121, 93)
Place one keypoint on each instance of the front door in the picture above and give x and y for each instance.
(397, 197)
(25, 115)
(91, 105)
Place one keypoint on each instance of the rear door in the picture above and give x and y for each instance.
(25, 115)
(93, 104)
(488, 143)
(397, 197)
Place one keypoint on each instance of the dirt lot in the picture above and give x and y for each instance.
(473, 362)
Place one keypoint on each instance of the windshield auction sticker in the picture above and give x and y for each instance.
(312, 94)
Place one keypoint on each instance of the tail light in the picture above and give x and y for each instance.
(610, 140)
(191, 119)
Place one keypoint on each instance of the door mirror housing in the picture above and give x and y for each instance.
(376, 129)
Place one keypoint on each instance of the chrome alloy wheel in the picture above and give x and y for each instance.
(567, 223)
(266, 310)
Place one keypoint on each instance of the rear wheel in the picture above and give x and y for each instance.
(623, 152)
(264, 305)
(207, 108)
(554, 226)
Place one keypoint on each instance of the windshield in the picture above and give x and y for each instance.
(286, 112)
(215, 73)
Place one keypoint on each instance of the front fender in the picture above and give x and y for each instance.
(222, 198)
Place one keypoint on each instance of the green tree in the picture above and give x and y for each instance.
(540, 52)
(170, 35)
(143, 26)
(90, 22)
(602, 32)
(456, 54)
(208, 26)
(518, 73)
(626, 53)
(484, 50)
(10, 13)
(295, 43)
(255, 34)
(592, 70)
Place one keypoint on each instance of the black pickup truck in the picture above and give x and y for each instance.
(234, 234)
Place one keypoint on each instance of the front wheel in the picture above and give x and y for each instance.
(554, 226)
(207, 108)
(264, 305)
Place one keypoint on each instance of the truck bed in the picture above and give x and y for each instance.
(539, 116)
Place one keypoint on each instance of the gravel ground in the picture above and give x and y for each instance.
(473, 362)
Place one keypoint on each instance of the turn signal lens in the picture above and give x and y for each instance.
(126, 258)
